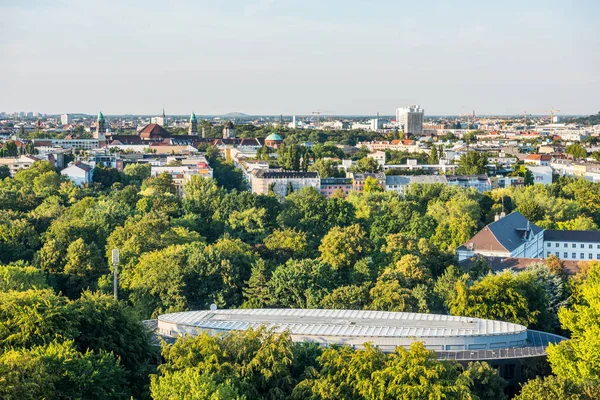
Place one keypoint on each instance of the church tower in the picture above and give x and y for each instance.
(100, 133)
(193, 128)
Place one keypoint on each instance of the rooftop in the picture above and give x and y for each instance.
(344, 322)
(572, 236)
(505, 234)
(267, 174)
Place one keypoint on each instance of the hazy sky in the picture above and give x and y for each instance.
(298, 56)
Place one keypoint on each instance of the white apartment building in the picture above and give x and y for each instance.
(264, 180)
(411, 119)
(14, 164)
(65, 119)
(572, 245)
(79, 173)
(541, 174)
(378, 156)
(182, 174)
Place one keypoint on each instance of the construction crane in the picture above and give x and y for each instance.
(552, 112)
(318, 114)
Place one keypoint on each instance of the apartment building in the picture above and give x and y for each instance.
(279, 182)
(15, 164)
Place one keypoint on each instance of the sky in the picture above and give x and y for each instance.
(271, 57)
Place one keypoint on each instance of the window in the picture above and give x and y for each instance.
(574, 255)
(582, 256)
(510, 371)
(574, 245)
(598, 256)
(550, 244)
(548, 254)
(557, 254)
(557, 244)
(591, 246)
(566, 255)
(582, 246)
(566, 245)
(590, 256)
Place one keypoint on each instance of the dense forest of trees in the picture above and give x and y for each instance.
(61, 333)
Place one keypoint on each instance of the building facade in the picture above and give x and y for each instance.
(411, 119)
(330, 185)
(572, 245)
(280, 182)
(508, 236)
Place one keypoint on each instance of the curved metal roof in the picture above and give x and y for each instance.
(357, 323)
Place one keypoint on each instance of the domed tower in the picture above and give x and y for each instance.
(229, 130)
(193, 128)
(100, 133)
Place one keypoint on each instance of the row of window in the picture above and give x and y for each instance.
(573, 245)
(574, 255)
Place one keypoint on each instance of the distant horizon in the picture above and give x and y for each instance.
(299, 56)
(245, 115)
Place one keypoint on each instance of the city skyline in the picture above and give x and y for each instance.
(271, 58)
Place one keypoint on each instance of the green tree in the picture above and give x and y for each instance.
(326, 169)
(256, 291)
(486, 382)
(555, 387)
(372, 185)
(417, 374)
(366, 164)
(504, 297)
(576, 150)
(4, 172)
(342, 247)
(575, 359)
(434, 157)
(472, 163)
(107, 325)
(34, 317)
(286, 243)
(136, 173)
(300, 284)
(21, 278)
(59, 371)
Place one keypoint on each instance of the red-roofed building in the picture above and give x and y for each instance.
(154, 132)
(538, 159)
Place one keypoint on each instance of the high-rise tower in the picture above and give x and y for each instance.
(193, 128)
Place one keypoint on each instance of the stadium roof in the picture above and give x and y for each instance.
(356, 323)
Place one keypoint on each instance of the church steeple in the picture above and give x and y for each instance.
(193, 128)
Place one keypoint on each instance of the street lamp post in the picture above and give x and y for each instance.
(115, 262)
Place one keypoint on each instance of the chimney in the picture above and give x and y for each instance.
(497, 217)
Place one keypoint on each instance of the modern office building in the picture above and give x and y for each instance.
(411, 119)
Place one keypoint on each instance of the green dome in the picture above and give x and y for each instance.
(100, 116)
(193, 117)
(274, 137)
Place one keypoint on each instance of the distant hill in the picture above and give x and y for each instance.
(235, 115)
(591, 120)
